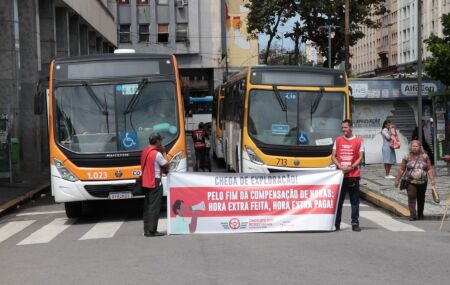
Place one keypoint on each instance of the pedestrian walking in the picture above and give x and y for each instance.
(418, 169)
(348, 151)
(153, 163)
(199, 137)
(387, 150)
(426, 140)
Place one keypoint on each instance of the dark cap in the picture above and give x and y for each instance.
(154, 137)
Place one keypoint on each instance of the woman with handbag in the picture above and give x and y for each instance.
(389, 158)
(418, 169)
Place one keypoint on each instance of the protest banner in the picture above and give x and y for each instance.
(235, 203)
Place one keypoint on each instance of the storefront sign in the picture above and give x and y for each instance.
(236, 203)
(392, 88)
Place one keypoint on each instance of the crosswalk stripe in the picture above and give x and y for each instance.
(345, 226)
(162, 225)
(102, 230)
(388, 223)
(360, 205)
(40, 213)
(11, 228)
(48, 232)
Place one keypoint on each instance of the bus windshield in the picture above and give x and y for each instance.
(292, 118)
(98, 118)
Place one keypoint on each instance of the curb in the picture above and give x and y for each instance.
(383, 202)
(10, 204)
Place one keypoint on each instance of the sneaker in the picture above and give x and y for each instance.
(356, 228)
(389, 177)
(338, 227)
(413, 218)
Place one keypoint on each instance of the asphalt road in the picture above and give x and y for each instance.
(38, 245)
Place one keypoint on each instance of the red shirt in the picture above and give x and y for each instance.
(199, 137)
(347, 153)
(148, 157)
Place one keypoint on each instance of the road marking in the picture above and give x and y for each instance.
(360, 205)
(11, 228)
(345, 226)
(40, 213)
(48, 232)
(388, 223)
(102, 230)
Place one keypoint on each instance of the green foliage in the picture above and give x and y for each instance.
(266, 15)
(438, 66)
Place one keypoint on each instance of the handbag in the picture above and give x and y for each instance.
(404, 181)
(137, 188)
(435, 195)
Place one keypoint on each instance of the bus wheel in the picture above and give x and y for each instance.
(73, 209)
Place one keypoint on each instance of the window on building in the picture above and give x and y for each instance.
(124, 34)
(181, 32)
(123, 2)
(163, 33)
(162, 2)
(142, 2)
(144, 33)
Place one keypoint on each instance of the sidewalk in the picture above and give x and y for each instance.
(14, 194)
(381, 191)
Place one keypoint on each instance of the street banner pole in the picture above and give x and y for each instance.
(419, 69)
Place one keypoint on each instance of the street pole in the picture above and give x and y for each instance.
(328, 27)
(419, 69)
(329, 46)
(347, 37)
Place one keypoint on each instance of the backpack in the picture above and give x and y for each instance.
(394, 142)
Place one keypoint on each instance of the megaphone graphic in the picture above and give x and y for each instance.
(199, 207)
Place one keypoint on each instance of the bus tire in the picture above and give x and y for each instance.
(73, 209)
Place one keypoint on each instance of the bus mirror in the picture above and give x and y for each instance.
(39, 99)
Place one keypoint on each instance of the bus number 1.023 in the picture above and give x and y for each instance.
(97, 175)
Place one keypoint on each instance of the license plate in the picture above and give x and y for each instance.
(120, 195)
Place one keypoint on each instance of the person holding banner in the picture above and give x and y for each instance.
(152, 163)
(348, 151)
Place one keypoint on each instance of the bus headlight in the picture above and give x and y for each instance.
(253, 156)
(175, 161)
(65, 173)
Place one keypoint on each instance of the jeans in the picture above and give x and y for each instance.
(350, 185)
(152, 206)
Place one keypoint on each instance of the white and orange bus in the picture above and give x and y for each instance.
(283, 118)
(216, 124)
(101, 110)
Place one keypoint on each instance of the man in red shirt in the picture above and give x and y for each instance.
(348, 151)
(152, 164)
(199, 137)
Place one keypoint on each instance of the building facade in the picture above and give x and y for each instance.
(207, 37)
(34, 32)
(392, 48)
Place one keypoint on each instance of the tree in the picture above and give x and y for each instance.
(438, 66)
(317, 13)
(296, 36)
(265, 16)
(278, 55)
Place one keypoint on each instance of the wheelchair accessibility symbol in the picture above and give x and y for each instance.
(129, 140)
(303, 138)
